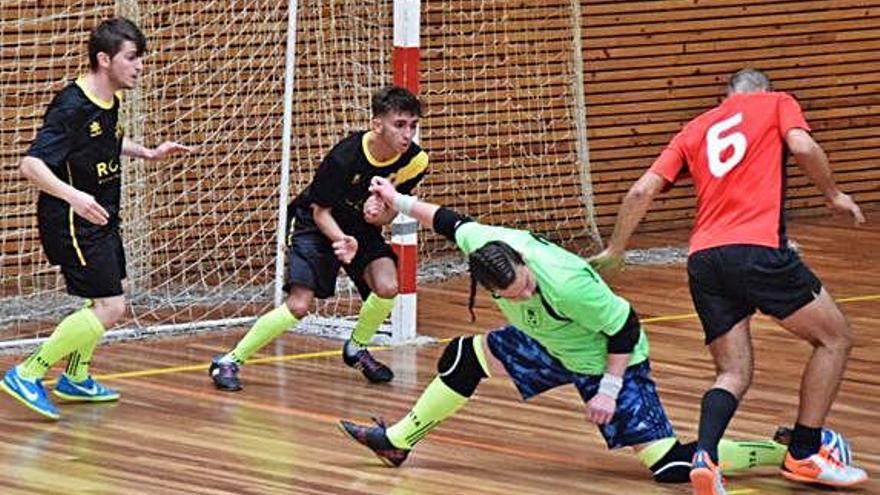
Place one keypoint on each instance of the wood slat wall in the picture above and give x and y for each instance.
(653, 65)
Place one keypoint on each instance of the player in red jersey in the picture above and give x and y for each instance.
(739, 261)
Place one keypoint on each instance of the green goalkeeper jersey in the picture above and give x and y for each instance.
(573, 311)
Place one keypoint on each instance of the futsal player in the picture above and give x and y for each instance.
(739, 261)
(334, 224)
(75, 163)
(566, 326)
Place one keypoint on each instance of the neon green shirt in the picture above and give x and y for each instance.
(573, 311)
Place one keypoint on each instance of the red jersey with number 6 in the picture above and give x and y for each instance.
(736, 156)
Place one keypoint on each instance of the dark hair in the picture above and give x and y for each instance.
(395, 99)
(108, 37)
(494, 267)
(749, 81)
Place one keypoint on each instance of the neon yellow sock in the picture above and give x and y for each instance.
(373, 313)
(655, 451)
(265, 329)
(77, 330)
(739, 455)
(437, 403)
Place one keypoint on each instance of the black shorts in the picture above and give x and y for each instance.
(103, 272)
(728, 283)
(311, 262)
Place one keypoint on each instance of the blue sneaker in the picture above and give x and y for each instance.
(88, 390)
(30, 393)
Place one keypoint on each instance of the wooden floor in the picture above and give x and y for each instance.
(172, 433)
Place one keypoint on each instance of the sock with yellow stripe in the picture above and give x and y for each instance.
(461, 367)
(79, 330)
(373, 312)
(265, 329)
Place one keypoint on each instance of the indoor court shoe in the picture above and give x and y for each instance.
(30, 393)
(375, 439)
(838, 446)
(706, 476)
(225, 375)
(373, 370)
(822, 468)
(88, 390)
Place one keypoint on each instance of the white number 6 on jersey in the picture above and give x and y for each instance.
(716, 145)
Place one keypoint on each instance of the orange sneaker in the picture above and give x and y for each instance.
(823, 468)
(706, 476)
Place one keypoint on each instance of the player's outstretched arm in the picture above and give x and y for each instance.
(83, 204)
(811, 158)
(634, 207)
(164, 150)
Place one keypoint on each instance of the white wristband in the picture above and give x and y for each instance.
(404, 203)
(610, 385)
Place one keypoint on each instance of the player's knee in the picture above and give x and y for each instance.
(110, 311)
(675, 465)
(386, 289)
(459, 367)
(299, 306)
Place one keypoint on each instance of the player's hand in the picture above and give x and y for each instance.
(600, 409)
(843, 203)
(607, 262)
(167, 149)
(376, 212)
(345, 249)
(383, 188)
(85, 205)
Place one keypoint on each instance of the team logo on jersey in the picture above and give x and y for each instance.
(95, 129)
(532, 318)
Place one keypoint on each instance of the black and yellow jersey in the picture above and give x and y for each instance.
(81, 142)
(342, 181)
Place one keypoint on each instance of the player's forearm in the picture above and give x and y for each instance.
(616, 364)
(326, 223)
(633, 209)
(422, 211)
(814, 162)
(36, 171)
(135, 150)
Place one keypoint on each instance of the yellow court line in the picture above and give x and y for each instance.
(320, 354)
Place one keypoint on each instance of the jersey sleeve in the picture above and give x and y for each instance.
(671, 161)
(55, 138)
(790, 115)
(470, 236)
(410, 175)
(330, 178)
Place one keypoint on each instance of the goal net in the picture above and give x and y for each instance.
(200, 230)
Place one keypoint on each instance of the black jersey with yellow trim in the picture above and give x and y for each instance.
(342, 181)
(81, 143)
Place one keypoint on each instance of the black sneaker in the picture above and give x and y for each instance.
(225, 375)
(375, 371)
(375, 439)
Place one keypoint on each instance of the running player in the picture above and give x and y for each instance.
(333, 224)
(566, 326)
(739, 261)
(75, 162)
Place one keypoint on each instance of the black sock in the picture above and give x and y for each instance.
(718, 407)
(805, 441)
